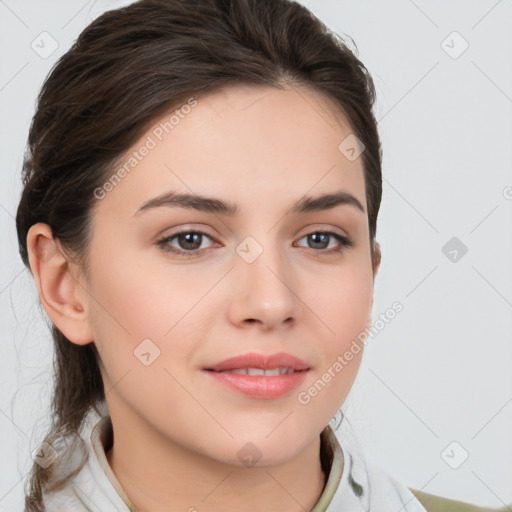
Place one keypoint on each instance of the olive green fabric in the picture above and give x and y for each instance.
(433, 503)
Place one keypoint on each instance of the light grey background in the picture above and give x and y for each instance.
(440, 372)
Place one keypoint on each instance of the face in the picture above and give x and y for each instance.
(270, 278)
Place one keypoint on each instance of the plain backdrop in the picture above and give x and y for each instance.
(432, 403)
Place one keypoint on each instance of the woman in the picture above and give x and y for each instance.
(199, 214)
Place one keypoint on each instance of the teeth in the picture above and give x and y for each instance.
(259, 371)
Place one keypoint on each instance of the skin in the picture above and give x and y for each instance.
(177, 433)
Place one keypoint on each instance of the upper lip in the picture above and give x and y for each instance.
(265, 362)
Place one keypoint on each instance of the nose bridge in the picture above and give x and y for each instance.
(265, 287)
(262, 256)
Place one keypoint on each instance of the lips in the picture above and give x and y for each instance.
(254, 360)
(260, 376)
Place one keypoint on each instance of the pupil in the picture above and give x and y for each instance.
(319, 235)
(188, 239)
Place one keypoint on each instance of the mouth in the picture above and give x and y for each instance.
(272, 372)
(259, 375)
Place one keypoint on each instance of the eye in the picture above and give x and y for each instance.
(320, 240)
(188, 240)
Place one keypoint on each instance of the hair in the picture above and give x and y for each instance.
(128, 68)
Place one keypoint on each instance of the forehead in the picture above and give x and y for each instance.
(258, 144)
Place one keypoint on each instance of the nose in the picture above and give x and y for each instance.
(264, 291)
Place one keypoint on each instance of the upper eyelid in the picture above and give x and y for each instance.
(314, 228)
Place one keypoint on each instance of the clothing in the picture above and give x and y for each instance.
(353, 485)
(435, 503)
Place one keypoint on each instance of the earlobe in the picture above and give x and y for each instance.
(61, 294)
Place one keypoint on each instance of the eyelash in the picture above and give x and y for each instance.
(345, 243)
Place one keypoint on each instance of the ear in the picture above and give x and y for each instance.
(62, 296)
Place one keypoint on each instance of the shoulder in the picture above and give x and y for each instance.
(64, 499)
(84, 486)
(386, 491)
(433, 503)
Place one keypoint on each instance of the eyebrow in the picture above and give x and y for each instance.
(214, 205)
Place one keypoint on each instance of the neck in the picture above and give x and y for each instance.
(177, 479)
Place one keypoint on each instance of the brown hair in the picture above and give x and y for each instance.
(125, 70)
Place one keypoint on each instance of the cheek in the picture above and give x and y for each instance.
(137, 322)
(345, 313)
(145, 309)
(344, 304)
(143, 300)
(345, 310)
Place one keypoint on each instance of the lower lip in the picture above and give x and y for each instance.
(260, 386)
